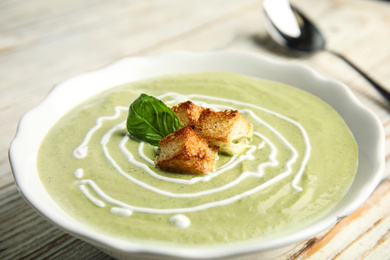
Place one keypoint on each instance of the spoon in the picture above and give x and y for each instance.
(291, 29)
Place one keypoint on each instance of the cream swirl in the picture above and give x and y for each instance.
(82, 150)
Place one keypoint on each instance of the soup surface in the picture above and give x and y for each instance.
(300, 163)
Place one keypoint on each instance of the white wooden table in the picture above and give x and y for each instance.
(45, 42)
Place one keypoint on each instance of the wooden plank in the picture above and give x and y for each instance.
(349, 238)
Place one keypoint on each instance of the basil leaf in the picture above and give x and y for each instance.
(150, 120)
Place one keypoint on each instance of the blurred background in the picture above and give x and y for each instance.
(45, 42)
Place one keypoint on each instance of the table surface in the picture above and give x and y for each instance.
(45, 42)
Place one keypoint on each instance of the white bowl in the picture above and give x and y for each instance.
(35, 124)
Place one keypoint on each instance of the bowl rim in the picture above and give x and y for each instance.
(17, 156)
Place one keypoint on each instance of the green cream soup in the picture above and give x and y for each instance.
(301, 161)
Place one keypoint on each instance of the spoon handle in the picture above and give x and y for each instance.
(385, 93)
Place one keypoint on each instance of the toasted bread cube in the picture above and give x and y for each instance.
(187, 112)
(227, 129)
(186, 151)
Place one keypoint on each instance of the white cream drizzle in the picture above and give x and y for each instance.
(79, 173)
(261, 145)
(82, 150)
(121, 211)
(301, 129)
(142, 154)
(180, 221)
(87, 194)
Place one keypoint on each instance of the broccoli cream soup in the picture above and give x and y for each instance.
(299, 164)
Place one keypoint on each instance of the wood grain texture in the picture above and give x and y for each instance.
(45, 42)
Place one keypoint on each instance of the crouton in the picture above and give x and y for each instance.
(186, 151)
(187, 112)
(227, 129)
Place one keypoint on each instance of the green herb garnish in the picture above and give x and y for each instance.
(150, 120)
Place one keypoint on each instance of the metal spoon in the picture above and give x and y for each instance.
(291, 29)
